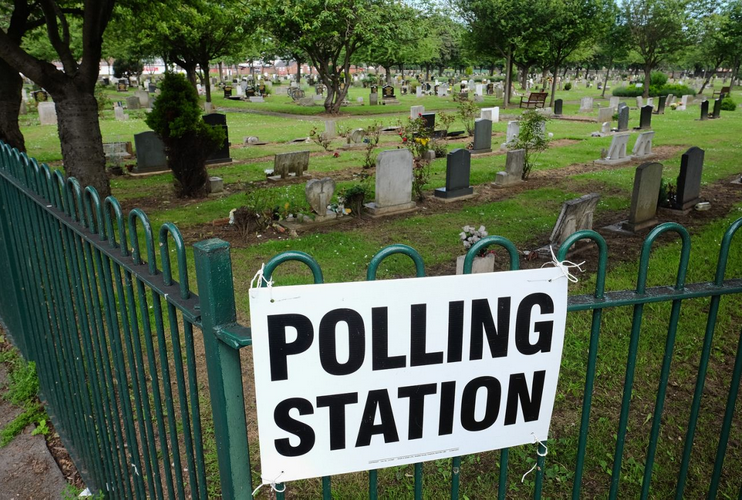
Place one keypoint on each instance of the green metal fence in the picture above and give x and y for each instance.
(120, 364)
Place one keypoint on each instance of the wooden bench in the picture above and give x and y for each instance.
(724, 90)
(535, 100)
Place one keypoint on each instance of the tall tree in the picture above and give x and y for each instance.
(614, 45)
(72, 87)
(657, 31)
(732, 30)
(329, 32)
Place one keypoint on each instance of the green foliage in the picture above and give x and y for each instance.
(568, 86)
(672, 88)
(531, 138)
(176, 118)
(373, 133)
(124, 68)
(320, 138)
(354, 196)
(101, 97)
(468, 112)
(22, 391)
(658, 79)
(446, 119)
(728, 104)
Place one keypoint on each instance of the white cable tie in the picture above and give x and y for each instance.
(260, 278)
(565, 266)
(272, 484)
(538, 452)
(135, 469)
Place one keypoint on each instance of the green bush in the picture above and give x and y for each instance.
(654, 91)
(176, 118)
(568, 86)
(657, 79)
(728, 104)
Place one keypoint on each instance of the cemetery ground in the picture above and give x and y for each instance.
(525, 214)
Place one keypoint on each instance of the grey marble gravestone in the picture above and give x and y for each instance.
(373, 99)
(514, 164)
(221, 155)
(689, 180)
(355, 139)
(319, 193)
(645, 118)
(143, 97)
(558, 106)
(511, 135)
(216, 184)
(482, 136)
(132, 102)
(118, 113)
(393, 183)
(617, 151)
(150, 153)
(644, 197)
(704, 110)
(47, 113)
(605, 115)
(285, 164)
(623, 118)
(643, 146)
(576, 215)
(458, 168)
(330, 132)
(586, 104)
(613, 104)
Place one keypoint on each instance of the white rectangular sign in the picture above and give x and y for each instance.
(358, 376)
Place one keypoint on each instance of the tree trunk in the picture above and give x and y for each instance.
(705, 81)
(492, 70)
(605, 83)
(81, 140)
(388, 70)
(553, 88)
(508, 77)
(221, 72)
(427, 72)
(298, 71)
(647, 80)
(11, 84)
(206, 80)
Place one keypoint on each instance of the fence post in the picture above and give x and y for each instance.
(216, 292)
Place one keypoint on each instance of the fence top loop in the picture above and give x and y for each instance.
(74, 205)
(641, 282)
(588, 234)
(390, 250)
(45, 182)
(148, 239)
(111, 204)
(726, 242)
(487, 242)
(91, 206)
(170, 228)
(294, 255)
(57, 189)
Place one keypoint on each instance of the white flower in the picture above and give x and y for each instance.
(467, 245)
(482, 229)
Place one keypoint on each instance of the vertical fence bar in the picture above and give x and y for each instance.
(216, 292)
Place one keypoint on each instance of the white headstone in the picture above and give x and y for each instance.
(419, 91)
(118, 113)
(614, 102)
(393, 182)
(586, 104)
(512, 134)
(617, 150)
(650, 101)
(479, 89)
(491, 114)
(47, 113)
(416, 111)
(330, 129)
(643, 145)
(605, 114)
(683, 103)
(639, 102)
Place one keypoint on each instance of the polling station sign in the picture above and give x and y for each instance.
(358, 376)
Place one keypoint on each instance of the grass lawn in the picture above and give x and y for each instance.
(525, 214)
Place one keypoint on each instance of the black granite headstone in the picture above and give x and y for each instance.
(704, 110)
(388, 92)
(491, 91)
(428, 121)
(458, 168)
(661, 105)
(221, 155)
(558, 104)
(689, 180)
(227, 91)
(645, 118)
(717, 109)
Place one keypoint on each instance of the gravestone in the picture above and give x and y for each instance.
(650, 101)
(511, 135)
(393, 183)
(23, 108)
(482, 136)
(704, 110)
(221, 155)
(151, 88)
(576, 215)
(416, 112)
(683, 103)
(150, 153)
(227, 91)
(216, 184)
(639, 102)
(239, 92)
(40, 96)
(717, 109)
(670, 100)
(47, 113)
(558, 105)
(258, 98)
(286, 164)
(458, 168)
(388, 92)
(643, 146)
(478, 89)
(661, 105)
(645, 118)
(373, 99)
(689, 180)
(143, 98)
(122, 86)
(118, 113)
(330, 132)
(490, 89)
(586, 104)
(514, 164)
(644, 197)
(132, 102)
(355, 138)
(605, 115)
(617, 151)
(418, 91)
(614, 103)
(491, 114)
(319, 193)
(429, 121)
(623, 118)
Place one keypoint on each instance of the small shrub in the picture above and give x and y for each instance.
(440, 149)
(468, 112)
(320, 138)
(728, 104)
(657, 79)
(101, 97)
(568, 86)
(654, 91)
(354, 197)
(531, 139)
(445, 119)
(373, 133)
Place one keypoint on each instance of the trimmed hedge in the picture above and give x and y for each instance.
(728, 104)
(634, 91)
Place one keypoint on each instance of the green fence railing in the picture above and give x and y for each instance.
(119, 361)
